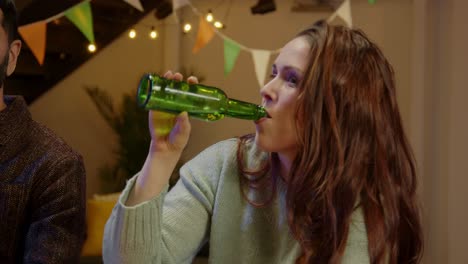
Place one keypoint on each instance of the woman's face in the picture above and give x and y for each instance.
(279, 96)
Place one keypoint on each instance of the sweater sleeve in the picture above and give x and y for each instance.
(56, 233)
(171, 227)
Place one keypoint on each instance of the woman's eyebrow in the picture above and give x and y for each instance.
(295, 69)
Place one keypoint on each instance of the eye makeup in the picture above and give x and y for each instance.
(291, 75)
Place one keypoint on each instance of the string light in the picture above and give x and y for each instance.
(132, 33)
(187, 27)
(218, 24)
(92, 47)
(209, 16)
(153, 34)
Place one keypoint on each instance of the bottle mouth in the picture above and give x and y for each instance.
(144, 90)
(265, 112)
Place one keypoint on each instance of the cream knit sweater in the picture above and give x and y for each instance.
(207, 204)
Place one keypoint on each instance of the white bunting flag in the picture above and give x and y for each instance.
(261, 58)
(136, 4)
(344, 11)
(176, 4)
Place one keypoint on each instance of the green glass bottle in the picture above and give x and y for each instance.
(198, 100)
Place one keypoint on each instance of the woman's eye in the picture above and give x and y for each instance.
(292, 80)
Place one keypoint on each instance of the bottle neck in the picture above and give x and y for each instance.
(244, 110)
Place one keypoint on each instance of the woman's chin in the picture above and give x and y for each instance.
(261, 144)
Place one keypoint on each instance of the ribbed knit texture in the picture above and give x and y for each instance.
(42, 192)
(207, 204)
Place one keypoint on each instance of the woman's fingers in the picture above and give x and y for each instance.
(168, 75)
(181, 132)
(192, 80)
(178, 76)
(174, 76)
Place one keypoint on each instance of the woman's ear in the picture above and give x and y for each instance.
(15, 48)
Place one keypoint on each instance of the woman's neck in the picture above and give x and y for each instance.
(285, 163)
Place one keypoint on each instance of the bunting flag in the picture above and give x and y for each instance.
(205, 34)
(176, 4)
(371, 2)
(344, 11)
(136, 4)
(35, 37)
(81, 16)
(231, 51)
(261, 58)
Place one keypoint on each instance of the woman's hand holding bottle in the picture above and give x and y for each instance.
(169, 136)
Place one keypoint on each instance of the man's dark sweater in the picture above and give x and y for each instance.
(42, 191)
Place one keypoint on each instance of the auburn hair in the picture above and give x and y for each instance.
(353, 152)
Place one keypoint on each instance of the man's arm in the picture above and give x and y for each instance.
(58, 214)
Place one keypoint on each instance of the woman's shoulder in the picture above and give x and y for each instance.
(222, 149)
(231, 146)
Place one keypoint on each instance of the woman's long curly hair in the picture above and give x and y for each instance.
(352, 153)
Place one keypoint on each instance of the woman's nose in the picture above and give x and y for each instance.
(267, 92)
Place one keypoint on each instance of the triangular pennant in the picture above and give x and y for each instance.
(344, 11)
(231, 51)
(35, 36)
(261, 58)
(205, 34)
(136, 4)
(176, 4)
(81, 16)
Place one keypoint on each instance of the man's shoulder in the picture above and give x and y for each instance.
(47, 143)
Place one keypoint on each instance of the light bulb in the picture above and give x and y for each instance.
(218, 24)
(91, 48)
(153, 34)
(132, 34)
(209, 16)
(187, 27)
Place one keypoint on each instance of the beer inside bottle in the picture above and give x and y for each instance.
(198, 100)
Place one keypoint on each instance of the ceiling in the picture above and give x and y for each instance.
(66, 45)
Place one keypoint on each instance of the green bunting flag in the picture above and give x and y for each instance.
(81, 16)
(371, 1)
(231, 51)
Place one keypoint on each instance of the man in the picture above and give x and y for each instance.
(42, 180)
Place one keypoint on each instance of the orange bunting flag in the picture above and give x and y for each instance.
(205, 34)
(35, 37)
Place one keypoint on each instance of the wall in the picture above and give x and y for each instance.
(440, 128)
(69, 111)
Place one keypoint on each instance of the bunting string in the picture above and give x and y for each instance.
(232, 48)
(34, 34)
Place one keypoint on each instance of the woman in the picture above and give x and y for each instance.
(328, 178)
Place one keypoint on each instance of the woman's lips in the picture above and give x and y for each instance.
(263, 118)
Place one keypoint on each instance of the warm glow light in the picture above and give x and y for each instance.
(132, 34)
(91, 47)
(187, 27)
(209, 17)
(153, 34)
(218, 24)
